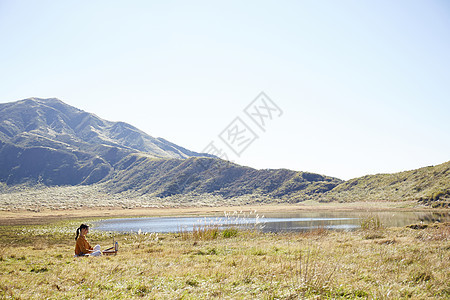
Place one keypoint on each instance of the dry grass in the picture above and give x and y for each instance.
(37, 263)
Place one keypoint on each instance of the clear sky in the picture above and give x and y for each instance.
(364, 86)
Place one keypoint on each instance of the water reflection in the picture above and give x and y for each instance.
(273, 222)
(303, 224)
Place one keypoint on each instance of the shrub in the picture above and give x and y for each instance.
(370, 222)
(230, 232)
(372, 227)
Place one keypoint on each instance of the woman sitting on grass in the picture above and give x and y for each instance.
(82, 246)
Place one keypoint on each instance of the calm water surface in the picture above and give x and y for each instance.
(271, 222)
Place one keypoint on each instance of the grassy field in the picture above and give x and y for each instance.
(36, 262)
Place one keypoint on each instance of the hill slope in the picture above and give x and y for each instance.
(428, 184)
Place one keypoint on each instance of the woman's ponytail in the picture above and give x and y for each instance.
(82, 226)
(78, 233)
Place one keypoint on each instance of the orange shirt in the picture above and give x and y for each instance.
(82, 246)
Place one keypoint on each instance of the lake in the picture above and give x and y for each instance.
(271, 222)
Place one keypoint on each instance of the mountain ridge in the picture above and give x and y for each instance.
(51, 118)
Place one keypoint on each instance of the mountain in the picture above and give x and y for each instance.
(48, 141)
(430, 185)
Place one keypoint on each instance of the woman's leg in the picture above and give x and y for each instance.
(96, 251)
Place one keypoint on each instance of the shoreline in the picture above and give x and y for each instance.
(27, 217)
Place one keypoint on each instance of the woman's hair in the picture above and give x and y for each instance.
(82, 226)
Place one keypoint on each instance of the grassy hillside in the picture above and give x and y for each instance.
(168, 177)
(430, 185)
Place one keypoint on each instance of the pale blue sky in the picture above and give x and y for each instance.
(364, 85)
